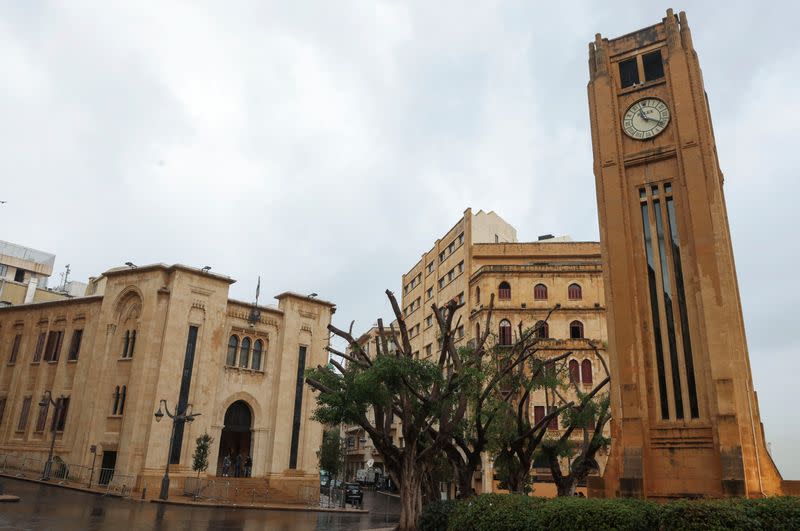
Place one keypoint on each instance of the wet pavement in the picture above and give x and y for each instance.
(44, 507)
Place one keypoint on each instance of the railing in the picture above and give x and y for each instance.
(106, 480)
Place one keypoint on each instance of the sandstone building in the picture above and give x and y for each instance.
(685, 413)
(143, 334)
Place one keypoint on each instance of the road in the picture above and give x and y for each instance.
(44, 507)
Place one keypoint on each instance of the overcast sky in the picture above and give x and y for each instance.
(324, 146)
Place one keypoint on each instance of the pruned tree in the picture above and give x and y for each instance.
(589, 417)
(515, 436)
(421, 394)
(490, 400)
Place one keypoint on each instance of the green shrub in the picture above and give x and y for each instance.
(512, 512)
(436, 515)
(498, 512)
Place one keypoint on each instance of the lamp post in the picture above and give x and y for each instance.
(186, 416)
(47, 398)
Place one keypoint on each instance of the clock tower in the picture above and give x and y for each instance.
(685, 414)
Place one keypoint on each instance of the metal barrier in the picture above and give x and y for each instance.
(105, 479)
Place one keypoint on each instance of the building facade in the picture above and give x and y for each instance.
(685, 414)
(24, 275)
(143, 334)
(480, 257)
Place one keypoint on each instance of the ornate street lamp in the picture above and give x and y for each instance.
(186, 416)
(47, 398)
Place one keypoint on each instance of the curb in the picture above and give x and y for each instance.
(266, 507)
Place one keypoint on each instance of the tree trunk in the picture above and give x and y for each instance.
(566, 486)
(410, 492)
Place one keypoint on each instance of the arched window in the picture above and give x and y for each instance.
(505, 332)
(477, 294)
(586, 372)
(258, 347)
(576, 330)
(574, 372)
(477, 331)
(574, 292)
(504, 291)
(540, 292)
(543, 331)
(116, 401)
(233, 347)
(244, 353)
(133, 344)
(125, 343)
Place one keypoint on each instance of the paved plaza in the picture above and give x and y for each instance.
(45, 507)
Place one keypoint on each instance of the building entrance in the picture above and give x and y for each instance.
(235, 440)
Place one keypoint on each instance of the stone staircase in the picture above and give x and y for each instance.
(245, 491)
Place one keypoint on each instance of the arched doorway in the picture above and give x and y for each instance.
(235, 439)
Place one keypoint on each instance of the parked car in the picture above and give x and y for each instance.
(353, 494)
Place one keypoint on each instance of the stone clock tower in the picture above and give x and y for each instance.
(685, 414)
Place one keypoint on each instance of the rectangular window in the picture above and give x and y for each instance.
(441, 282)
(429, 293)
(53, 348)
(2, 409)
(428, 351)
(41, 419)
(461, 298)
(183, 394)
(428, 321)
(461, 266)
(628, 73)
(60, 420)
(461, 238)
(430, 267)
(15, 348)
(667, 292)
(552, 424)
(653, 66)
(655, 314)
(441, 257)
(538, 414)
(19, 275)
(23, 414)
(75, 345)
(686, 339)
(460, 331)
(298, 407)
(37, 354)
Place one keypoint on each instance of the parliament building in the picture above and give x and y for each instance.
(141, 335)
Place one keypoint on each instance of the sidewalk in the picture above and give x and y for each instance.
(179, 501)
(263, 506)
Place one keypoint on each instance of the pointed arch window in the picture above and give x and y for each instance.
(244, 353)
(126, 343)
(543, 330)
(233, 347)
(505, 332)
(477, 294)
(258, 348)
(504, 291)
(586, 372)
(575, 292)
(574, 372)
(540, 292)
(477, 331)
(133, 343)
(576, 330)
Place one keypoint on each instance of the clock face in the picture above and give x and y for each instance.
(645, 119)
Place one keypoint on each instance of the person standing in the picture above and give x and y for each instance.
(237, 465)
(248, 466)
(226, 465)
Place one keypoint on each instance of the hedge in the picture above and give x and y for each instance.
(512, 512)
